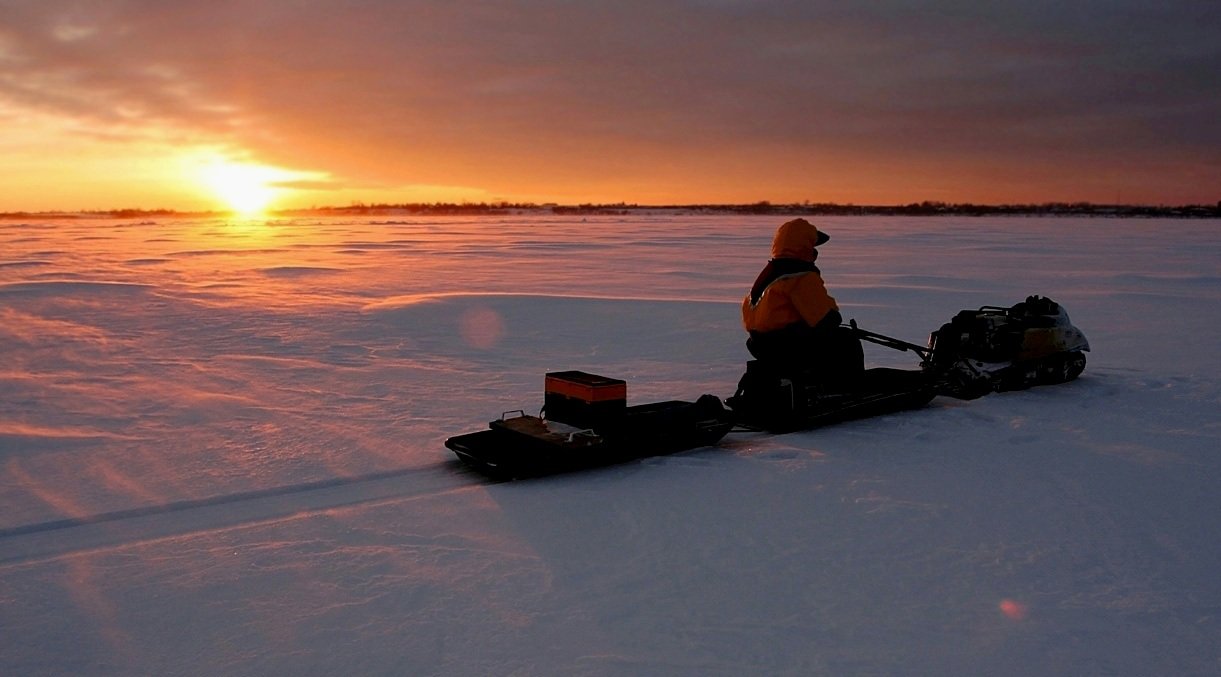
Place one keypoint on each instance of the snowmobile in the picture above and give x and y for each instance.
(585, 421)
(995, 349)
(980, 351)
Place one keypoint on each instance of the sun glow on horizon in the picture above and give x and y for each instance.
(243, 188)
(246, 188)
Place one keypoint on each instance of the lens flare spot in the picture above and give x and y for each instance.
(482, 327)
(1013, 610)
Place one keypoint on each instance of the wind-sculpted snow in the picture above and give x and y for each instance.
(221, 453)
(74, 289)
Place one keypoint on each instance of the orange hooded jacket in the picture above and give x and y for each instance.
(792, 297)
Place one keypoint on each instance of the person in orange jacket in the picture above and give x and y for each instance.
(792, 321)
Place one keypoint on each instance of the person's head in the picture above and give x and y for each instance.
(797, 239)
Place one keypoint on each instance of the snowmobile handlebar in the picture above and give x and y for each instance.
(888, 341)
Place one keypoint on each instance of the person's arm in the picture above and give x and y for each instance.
(812, 301)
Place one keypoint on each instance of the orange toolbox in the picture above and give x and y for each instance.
(584, 400)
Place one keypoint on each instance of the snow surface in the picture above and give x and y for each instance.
(221, 453)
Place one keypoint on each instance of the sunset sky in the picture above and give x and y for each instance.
(288, 103)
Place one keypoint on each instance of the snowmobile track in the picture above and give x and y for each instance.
(119, 528)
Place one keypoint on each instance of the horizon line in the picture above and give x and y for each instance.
(926, 207)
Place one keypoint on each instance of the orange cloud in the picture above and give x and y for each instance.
(677, 101)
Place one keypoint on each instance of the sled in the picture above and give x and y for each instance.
(776, 401)
(585, 423)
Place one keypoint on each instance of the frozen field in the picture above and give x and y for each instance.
(221, 452)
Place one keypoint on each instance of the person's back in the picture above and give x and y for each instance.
(792, 321)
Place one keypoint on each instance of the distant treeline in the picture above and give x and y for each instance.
(756, 208)
(799, 208)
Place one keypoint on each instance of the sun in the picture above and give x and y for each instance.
(244, 186)
(247, 189)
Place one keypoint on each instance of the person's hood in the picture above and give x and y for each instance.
(797, 239)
